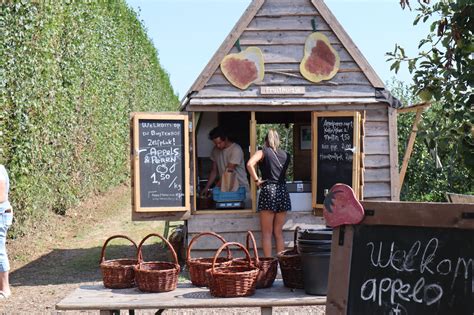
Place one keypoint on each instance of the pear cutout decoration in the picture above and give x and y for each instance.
(321, 61)
(244, 68)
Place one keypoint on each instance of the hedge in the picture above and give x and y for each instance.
(71, 74)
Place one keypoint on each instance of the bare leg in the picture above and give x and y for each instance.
(278, 222)
(4, 283)
(4, 264)
(266, 225)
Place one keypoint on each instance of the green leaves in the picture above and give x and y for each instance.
(71, 73)
(444, 69)
(442, 158)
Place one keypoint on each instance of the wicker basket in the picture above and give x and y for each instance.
(233, 280)
(291, 266)
(117, 273)
(267, 265)
(156, 276)
(198, 266)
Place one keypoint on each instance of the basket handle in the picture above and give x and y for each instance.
(194, 239)
(254, 243)
(226, 245)
(139, 251)
(102, 255)
(295, 237)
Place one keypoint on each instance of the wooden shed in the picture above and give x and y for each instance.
(352, 104)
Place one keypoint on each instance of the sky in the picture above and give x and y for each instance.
(187, 33)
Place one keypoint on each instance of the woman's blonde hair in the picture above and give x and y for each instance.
(273, 139)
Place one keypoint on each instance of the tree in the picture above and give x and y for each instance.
(443, 71)
(431, 171)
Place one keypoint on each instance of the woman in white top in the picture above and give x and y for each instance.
(6, 218)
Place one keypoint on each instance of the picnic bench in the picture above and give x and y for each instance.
(108, 301)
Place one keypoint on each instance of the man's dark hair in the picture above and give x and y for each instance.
(218, 132)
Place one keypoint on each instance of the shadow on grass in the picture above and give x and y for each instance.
(79, 265)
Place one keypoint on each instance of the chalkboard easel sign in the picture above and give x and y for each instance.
(404, 258)
(160, 162)
(336, 152)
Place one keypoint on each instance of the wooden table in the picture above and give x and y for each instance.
(97, 297)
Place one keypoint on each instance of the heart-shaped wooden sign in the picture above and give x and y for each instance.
(342, 207)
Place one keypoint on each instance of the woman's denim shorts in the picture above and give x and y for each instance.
(6, 220)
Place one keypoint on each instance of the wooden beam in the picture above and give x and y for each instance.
(253, 148)
(194, 118)
(393, 151)
(348, 43)
(363, 119)
(411, 143)
(414, 108)
(286, 105)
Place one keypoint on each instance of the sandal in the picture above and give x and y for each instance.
(4, 295)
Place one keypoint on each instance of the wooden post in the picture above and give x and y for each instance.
(362, 154)
(193, 162)
(253, 148)
(411, 143)
(393, 151)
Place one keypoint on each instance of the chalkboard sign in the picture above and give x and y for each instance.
(405, 258)
(161, 162)
(336, 151)
(411, 270)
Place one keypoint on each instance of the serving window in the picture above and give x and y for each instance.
(249, 131)
(237, 125)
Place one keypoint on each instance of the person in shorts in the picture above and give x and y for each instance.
(6, 218)
(274, 199)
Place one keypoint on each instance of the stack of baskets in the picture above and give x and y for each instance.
(291, 266)
(117, 273)
(267, 265)
(156, 276)
(233, 280)
(197, 266)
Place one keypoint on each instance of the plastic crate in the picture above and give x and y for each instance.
(220, 196)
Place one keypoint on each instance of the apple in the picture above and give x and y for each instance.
(425, 94)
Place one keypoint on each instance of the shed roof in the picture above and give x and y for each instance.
(280, 28)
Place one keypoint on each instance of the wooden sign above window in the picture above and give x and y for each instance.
(282, 90)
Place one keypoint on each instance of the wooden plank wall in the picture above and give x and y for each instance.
(280, 29)
(377, 176)
(233, 227)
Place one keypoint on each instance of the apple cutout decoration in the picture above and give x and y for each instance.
(342, 207)
(244, 68)
(320, 61)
